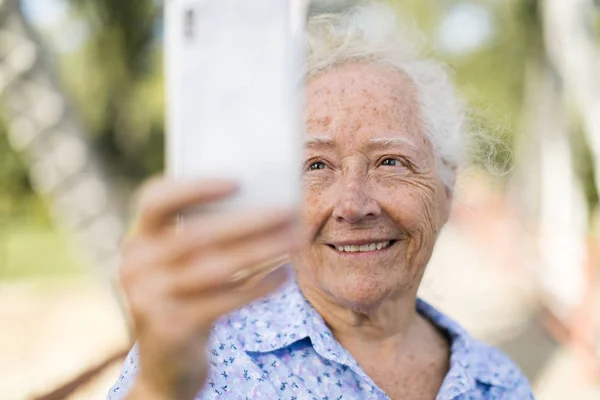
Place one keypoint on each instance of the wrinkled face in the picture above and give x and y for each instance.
(373, 200)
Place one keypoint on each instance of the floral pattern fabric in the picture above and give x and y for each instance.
(280, 348)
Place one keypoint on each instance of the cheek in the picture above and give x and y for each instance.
(391, 182)
(410, 202)
(421, 211)
(313, 208)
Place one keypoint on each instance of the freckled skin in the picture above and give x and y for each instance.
(356, 191)
(354, 197)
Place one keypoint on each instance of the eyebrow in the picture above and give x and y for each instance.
(319, 141)
(327, 141)
(391, 142)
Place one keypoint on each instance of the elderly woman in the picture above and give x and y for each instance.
(383, 143)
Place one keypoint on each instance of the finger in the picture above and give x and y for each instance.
(240, 297)
(225, 301)
(161, 200)
(250, 276)
(232, 266)
(206, 232)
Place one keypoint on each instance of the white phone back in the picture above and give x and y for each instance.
(234, 96)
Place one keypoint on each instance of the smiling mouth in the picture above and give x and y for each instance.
(363, 248)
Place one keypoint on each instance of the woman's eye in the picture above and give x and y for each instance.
(391, 162)
(317, 165)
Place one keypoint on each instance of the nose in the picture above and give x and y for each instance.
(355, 201)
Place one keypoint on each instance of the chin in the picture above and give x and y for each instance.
(360, 291)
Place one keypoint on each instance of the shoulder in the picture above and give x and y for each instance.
(494, 369)
(476, 364)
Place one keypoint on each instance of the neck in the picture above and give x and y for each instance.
(386, 323)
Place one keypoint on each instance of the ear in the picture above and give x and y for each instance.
(446, 203)
(449, 187)
(449, 192)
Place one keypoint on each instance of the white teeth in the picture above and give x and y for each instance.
(364, 247)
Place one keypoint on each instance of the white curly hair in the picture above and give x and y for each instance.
(372, 32)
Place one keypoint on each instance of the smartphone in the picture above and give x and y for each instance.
(234, 92)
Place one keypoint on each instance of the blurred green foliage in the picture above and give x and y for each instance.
(491, 77)
(36, 250)
(31, 246)
(115, 78)
(116, 81)
(14, 183)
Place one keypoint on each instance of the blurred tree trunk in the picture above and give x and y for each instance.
(572, 46)
(560, 89)
(44, 129)
(571, 51)
(125, 51)
(64, 167)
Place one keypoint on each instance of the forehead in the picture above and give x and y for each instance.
(358, 100)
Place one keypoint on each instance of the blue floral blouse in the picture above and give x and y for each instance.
(280, 348)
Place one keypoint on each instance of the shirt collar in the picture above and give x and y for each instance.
(274, 322)
(283, 318)
(470, 360)
(286, 317)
